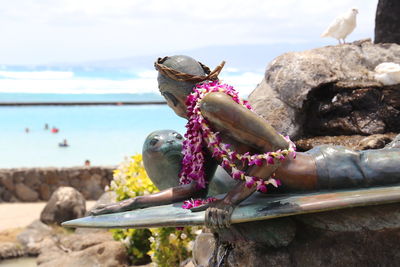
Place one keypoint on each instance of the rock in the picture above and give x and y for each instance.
(7, 196)
(187, 263)
(106, 198)
(32, 237)
(2, 191)
(372, 218)
(356, 142)
(50, 249)
(93, 187)
(314, 247)
(110, 253)
(77, 242)
(10, 250)
(274, 233)
(374, 142)
(203, 249)
(329, 91)
(18, 176)
(32, 179)
(44, 192)
(25, 193)
(65, 204)
(51, 177)
(362, 236)
(251, 254)
(387, 22)
(44, 181)
(7, 181)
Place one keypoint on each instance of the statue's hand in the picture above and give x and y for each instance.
(218, 214)
(128, 204)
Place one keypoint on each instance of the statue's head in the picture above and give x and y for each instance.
(177, 75)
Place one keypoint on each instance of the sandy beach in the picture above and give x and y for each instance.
(19, 215)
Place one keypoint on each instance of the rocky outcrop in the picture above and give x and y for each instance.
(33, 235)
(57, 247)
(93, 248)
(364, 236)
(356, 142)
(387, 22)
(330, 91)
(37, 184)
(64, 204)
(320, 96)
(107, 254)
(10, 250)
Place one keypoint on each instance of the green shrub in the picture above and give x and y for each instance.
(166, 246)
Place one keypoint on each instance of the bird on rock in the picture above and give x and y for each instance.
(342, 26)
(388, 73)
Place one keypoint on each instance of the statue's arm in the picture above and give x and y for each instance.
(170, 195)
(167, 196)
(247, 127)
(240, 123)
(243, 125)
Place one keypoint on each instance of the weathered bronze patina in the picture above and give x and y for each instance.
(322, 168)
(255, 208)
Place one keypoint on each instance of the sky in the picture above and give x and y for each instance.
(73, 31)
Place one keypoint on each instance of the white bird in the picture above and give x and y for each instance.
(342, 26)
(388, 73)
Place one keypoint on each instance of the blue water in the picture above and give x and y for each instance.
(24, 97)
(102, 134)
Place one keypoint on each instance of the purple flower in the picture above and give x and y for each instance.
(192, 203)
(262, 188)
(256, 161)
(237, 174)
(270, 160)
(250, 181)
(225, 163)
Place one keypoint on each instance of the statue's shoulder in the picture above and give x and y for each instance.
(215, 100)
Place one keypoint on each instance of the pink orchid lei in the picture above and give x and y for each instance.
(192, 203)
(199, 132)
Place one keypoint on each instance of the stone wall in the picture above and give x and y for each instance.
(37, 184)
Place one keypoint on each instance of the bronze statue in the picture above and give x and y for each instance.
(324, 167)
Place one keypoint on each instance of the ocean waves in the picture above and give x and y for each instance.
(93, 81)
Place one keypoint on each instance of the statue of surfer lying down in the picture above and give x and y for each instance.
(223, 130)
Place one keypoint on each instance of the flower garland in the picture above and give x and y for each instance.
(199, 132)
(192, 203)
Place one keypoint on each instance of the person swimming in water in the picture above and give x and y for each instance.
(64, 143)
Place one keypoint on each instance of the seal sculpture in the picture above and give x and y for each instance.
(162, 159)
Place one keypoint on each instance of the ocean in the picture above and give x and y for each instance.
(104, 135)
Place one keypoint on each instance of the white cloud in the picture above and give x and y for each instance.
(151, 74)
(37, 75)
(61, 82)
(81, 30)
(244, 83)
(79, 86)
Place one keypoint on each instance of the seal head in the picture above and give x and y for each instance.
(162, 157)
